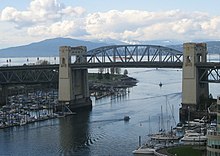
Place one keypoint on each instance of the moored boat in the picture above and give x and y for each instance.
(193, 138)
(147, 149)
(165, 137)
(179, 127)
(144, 150)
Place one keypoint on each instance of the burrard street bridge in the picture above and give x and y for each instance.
(72, 71)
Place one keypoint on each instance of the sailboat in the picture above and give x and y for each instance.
(65, 113)
(163, 135)
(23, 121)
(150, 130)
(69, 112)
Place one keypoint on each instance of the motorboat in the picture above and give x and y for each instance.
(165, 137)
(146, 149)
(126, 118)
(213, 123)
(196, 123)
(191, 137)
(179, 127)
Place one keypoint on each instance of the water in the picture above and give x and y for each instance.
(102, 131)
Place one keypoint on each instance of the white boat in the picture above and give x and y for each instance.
(179, 127)
(165, 137)
(194, 123)
(194, 138)
(147, 149)
(144, 150)
(23, 122)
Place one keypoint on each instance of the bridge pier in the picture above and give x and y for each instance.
(3, 95)
(194, 93)
(73, 83)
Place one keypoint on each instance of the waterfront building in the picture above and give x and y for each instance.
(213, 135)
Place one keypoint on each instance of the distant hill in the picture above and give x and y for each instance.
(213, 47)
(49, 47)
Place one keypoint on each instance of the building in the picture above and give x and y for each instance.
(213, 136)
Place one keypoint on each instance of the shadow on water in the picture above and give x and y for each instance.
(75, 133)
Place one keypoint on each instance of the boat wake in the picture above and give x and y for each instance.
(108, 120)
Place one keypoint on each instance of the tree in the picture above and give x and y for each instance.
(118, 70)
(125, 72)
(112, 70)
(43, 62)
(107, 75)
(100, 76)
(101, 70)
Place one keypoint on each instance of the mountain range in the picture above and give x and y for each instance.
(50, 47)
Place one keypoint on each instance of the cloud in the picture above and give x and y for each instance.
(143, 25)
(40, 12)
(49, 18)
(64, 28)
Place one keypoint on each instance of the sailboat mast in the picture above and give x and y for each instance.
(162, 122)
(150, 130)
(167, 115)
(159, 124)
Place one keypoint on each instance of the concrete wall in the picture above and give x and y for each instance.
(192, 90)
(73, 83)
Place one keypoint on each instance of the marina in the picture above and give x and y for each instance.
(109, 78)
(103, 128)
(33, 107)
(192, 134)
(88, 132)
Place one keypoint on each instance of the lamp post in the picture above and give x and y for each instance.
(188, 116)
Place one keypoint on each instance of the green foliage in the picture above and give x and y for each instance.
(112, 70)
(125, 72)
(99, 76)
(118, 70)
(107, 76)
(185, 151)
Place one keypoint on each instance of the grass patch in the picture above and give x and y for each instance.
(185, 150)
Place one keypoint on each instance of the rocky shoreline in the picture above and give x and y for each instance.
(111, 85)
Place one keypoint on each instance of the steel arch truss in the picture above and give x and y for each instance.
(133, 53)
(28, 76)
(211, 75)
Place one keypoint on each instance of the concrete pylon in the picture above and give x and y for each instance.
(192, 90)
(73, 83)
(3, 95)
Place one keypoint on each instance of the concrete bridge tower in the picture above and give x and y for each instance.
(73, 83)
(194, 93)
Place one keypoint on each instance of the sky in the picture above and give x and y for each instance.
(26, 21)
